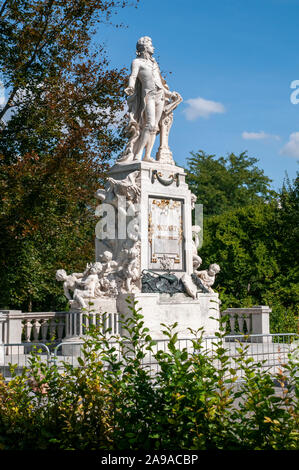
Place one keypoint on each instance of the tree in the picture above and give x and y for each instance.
(60, 127)
(255, 247)
(252, 232)
(225, 183)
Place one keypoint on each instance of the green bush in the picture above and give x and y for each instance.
(112, 401)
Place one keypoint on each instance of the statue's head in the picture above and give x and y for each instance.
(96, 268)
(144, 46)
(107, 256)
(61, 275)
(214, 268)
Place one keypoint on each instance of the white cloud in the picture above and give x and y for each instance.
(259, 136)
(291, 148)
(199, 107)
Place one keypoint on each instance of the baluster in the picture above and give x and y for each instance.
(109, 321)
(84, 323)
(101, 322)
(44, 329)
(71, 317)
(225, 326)
(232, 323)
(98, 320)
(104, 322)
(36, 329)
(93, 318)
(248, 323)
(75, 324)
(27, 330)
(116, 324)
(241, 323)
(113, 319)
(67, 325)
(80, 324)
(89, 319)
(52, 328)
(60, 328)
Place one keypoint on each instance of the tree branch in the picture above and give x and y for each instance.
(28, 63)
(8, 103)
(3, 7)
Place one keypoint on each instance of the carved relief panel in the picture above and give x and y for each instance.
(165, 234)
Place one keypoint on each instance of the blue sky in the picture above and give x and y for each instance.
(233, 62)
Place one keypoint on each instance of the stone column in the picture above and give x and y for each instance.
(261, 323)
(12, 329)
(2, 326)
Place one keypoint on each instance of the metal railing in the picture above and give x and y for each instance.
(270, 350)
(272, 353)
(18, 355)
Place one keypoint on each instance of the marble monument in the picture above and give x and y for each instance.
(146, 247)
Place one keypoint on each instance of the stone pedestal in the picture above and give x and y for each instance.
(145, 232)
(164, 217)
(163, 308)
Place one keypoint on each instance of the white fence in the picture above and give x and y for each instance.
(272, 352)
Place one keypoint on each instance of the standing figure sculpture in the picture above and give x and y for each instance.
(150, 103)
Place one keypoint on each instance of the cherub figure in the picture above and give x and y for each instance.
(130, 265)
(89, 284)
(208, 276)
(69, 281)
(107, 262)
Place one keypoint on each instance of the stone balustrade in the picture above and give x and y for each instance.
(78, 322)
(20, 327)
(250, 321)
(43, 327)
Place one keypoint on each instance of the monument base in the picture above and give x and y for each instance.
(162, 308)
(156, 308)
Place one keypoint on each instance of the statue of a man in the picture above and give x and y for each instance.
(148, 96)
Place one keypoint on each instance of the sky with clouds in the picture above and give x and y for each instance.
(236, 65)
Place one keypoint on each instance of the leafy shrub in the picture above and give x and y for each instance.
(113, 401)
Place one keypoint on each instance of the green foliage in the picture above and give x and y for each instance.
(252, 233)
(226, 183)
(59, 129)
(256, 267)
(112, 401)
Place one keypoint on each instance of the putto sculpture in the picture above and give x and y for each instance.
(208, 276)
(150, 105)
